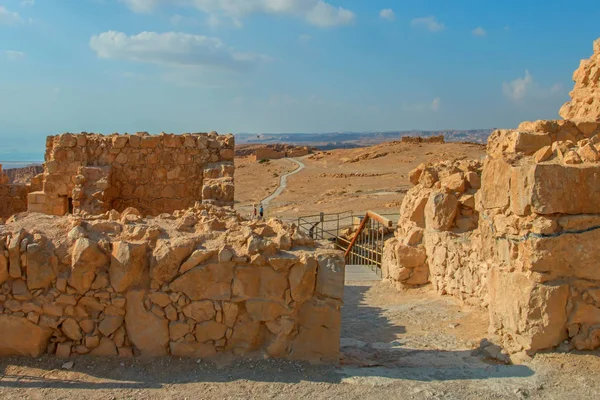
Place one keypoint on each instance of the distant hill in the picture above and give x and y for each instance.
(336, 140)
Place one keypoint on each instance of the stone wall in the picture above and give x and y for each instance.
(153, 173)
(420, 139)
(518, 235)
(197, 283)
(13, 198)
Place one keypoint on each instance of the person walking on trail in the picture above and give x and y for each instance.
(262, 211)
(254, 211)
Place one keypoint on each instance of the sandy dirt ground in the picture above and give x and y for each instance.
(371, 178)
(254, 181)
(413, 345)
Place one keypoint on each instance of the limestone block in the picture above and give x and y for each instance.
(302, 279)
(319, 327)
(86, 260)
(20, 337)
(211, 281)
(440, 211)
(128, 265)
(200, 311)
(330, 274)
(146, 331)
(41, 266)
(167, 258)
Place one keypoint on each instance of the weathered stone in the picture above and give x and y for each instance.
(330, 274)
(211, 281)
(167, 258)
(177, 330)
(146, 331)
(319, 326)
(209, 330)
(200, 310)
(162, 299)
(71, 329)
(252, 282)
(20, 337)
(110, 324)
(198, 257)
(106, 348)
(128, 265)
(440, 211)
(264, 310)
(303, 277)
(87, 259)
(41, 266)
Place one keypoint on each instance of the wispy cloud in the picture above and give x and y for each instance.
(315, 12)
(435, 104)
(430, 23)
(388, 14)
(172, 48)
(304, 38)
(27, 3)
(9, 17)
(526, 87)
(479, 31)
(14, 55)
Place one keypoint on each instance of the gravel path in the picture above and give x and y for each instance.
(283, 182)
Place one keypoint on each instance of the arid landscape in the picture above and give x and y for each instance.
(370, 178)
(408, 250)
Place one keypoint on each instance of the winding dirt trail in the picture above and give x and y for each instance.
(283, 182)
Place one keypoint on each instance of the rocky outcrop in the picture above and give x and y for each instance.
(519, 233)
(123, 285)
(585, 97)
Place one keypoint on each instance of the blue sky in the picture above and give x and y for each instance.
(283, 65)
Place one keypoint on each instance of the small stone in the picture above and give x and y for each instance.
(68, 365)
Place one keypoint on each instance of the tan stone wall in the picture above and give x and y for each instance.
(198, 283)
(13, 198)
(419, 139)
(153, 173)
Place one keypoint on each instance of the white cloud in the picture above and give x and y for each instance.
(304, 38)
(14, 55)
(316, 12)
(172, 48)
(26, 3)
(479, 31)
(430, 23)
(435, 104)
(526, 87)
(518, 88)
(388, 14)
(9, 17)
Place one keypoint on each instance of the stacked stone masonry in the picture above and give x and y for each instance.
(13, 198)
(518, 234)
(196, 283)
(420, 139)
(93, 173)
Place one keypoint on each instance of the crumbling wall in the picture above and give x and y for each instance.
(529, 251)
(13, 197)
(436, 231)
(198, 283)
(420, 139)
(153, 173)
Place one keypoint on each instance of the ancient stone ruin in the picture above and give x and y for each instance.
(92, 173)
(518, 233)
(13, 197)
(420, 139)
(195, 283)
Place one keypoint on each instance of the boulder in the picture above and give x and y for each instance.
(440, 211)
(128, 265)
(211, 281)
(200, 311)
(302, 278)
(146, 331)
(331, 274)
(20, 337)
(167, 259)
(264, 310)
(87, 258)
(210, 330)
(71, 329)
(41, 266)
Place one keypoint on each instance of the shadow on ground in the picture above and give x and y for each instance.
(361, 359)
